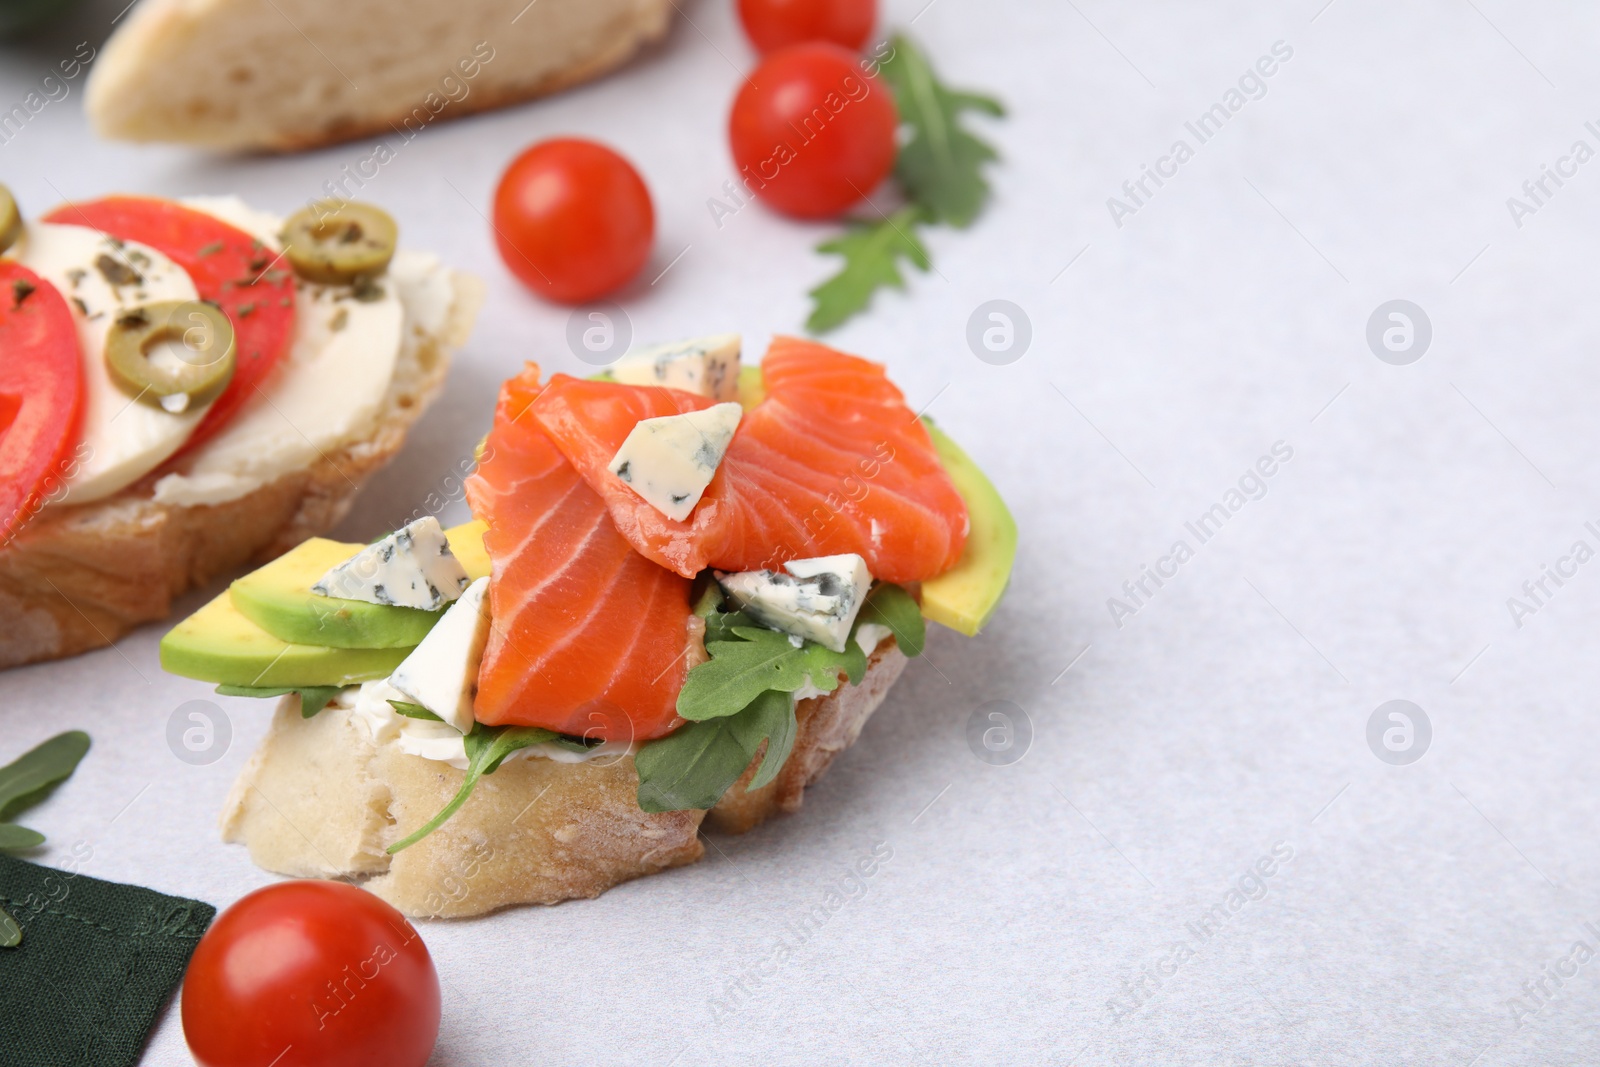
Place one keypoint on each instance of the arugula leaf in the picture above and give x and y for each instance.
(872, 252)
(695, 766)
(891, 606)
(14, 837)
(313, 698)
(413, 711)
(487, 748)
(744, 695)
(759, 660)
(770, 718)
(30, 778)
(941, 167)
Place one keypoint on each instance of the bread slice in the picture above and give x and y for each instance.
(318, 799)
(291, 74)
(78, 578)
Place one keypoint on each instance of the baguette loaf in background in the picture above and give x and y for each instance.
(282, 75)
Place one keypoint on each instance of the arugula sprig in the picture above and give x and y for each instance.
(939, 169)
(872, 253)
(744, 696)
(941, 166)
(32, 777)
(24, 782)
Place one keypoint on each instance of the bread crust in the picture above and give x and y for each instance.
(77, 578)
(189, 71)
(320, 799)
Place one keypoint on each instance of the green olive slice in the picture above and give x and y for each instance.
(174, 355)
(339, 242)
(10, 219)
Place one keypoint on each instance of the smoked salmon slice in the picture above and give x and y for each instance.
(831, 461)
(589, 638)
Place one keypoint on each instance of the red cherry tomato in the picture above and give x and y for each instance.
(228, 266)
(311, 974)
(41, 394)
(775, 24)
(573, 219)
(810, 132)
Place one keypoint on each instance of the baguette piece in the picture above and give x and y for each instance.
(79, 577)
(318, 799)
(283, 75)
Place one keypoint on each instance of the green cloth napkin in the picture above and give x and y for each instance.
(96, 963)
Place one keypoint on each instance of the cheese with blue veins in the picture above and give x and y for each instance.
(708, 366)
(441, 673)
(670, 460)
(816, 599)
(411, 568)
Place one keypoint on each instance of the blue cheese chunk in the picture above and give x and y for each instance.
(708, 366)
(814, 599)
(411, 568)
(441, 673)
(670, 460)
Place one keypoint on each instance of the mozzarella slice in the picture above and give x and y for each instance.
(817, 599)
(100, 276)
(441, 673)
(708, 366)
(411, 568)
(670, 460)
(329, 390)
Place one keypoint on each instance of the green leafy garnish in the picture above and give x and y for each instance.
(696, 765)
(313, 698)
(31, 778)
(10, 932)
(941, 166)
(14, 838)
(755, 660)
(744, 695)
(939, 170)
(891, 606)
(413, 711)
(487, 748)
(872, 253)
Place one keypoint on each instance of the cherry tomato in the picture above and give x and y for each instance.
(810, 132)
(573, 219)
(229, 267)
(311, 974)
(41, 394)
(775, 24)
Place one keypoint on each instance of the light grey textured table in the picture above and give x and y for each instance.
(1074, 907)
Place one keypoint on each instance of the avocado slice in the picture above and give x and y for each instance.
(752, 387)
(466, 542)
(278, 597)
(964, 597)
(218, 644)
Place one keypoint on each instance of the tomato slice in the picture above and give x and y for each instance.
(229, 267)
(41, 393)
